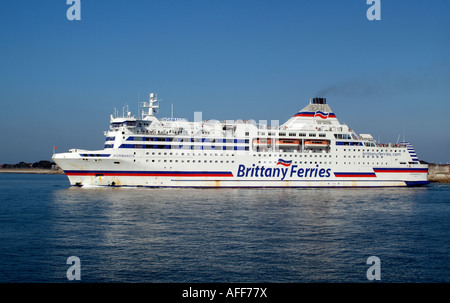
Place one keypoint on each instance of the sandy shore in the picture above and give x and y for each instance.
(31, 171)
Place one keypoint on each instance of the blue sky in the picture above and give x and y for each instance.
(259, 60)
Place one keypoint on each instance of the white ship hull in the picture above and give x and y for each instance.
(98, 171)
(176, 153)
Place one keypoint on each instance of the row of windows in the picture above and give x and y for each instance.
(259, 162)
(290, 134)
(349, 143)
(95, 155)
(129, 123)
(246, 148)
(313, 155)
(178, 139)
(188, 154)
(373, 150)
(325, 162)
(290, 155)
(197, 147)
(193, 161)
(342, 136)
(259, 155)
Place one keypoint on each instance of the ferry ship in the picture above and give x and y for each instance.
(311, 149)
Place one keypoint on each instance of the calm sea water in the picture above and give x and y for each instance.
(221, 235)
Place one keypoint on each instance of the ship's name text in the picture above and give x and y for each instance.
(282, 172)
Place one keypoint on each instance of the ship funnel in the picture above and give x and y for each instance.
(319, 100)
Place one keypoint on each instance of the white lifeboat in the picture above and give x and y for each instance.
(316, 144)
(262, 142)
(288, 143)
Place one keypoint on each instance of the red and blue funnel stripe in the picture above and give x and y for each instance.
(319, 114)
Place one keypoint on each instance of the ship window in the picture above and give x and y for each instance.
(322, 135)
(302, 135)
(312, 135)
(291, 134)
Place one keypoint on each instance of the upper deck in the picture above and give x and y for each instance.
(314, 129)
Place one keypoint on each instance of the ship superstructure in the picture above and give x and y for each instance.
(311, 149)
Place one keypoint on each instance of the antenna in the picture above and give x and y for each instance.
(404, 139)
(150, 106)
(138, 105)
(171, 113)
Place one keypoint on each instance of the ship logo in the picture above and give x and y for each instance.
(284, 162)
(324, 115)
(319, 114)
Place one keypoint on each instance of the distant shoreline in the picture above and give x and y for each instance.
(39, 171)
(439, 173)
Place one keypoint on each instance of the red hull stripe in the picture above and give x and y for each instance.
(401, 170)
(148, 173)
(356, 175)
